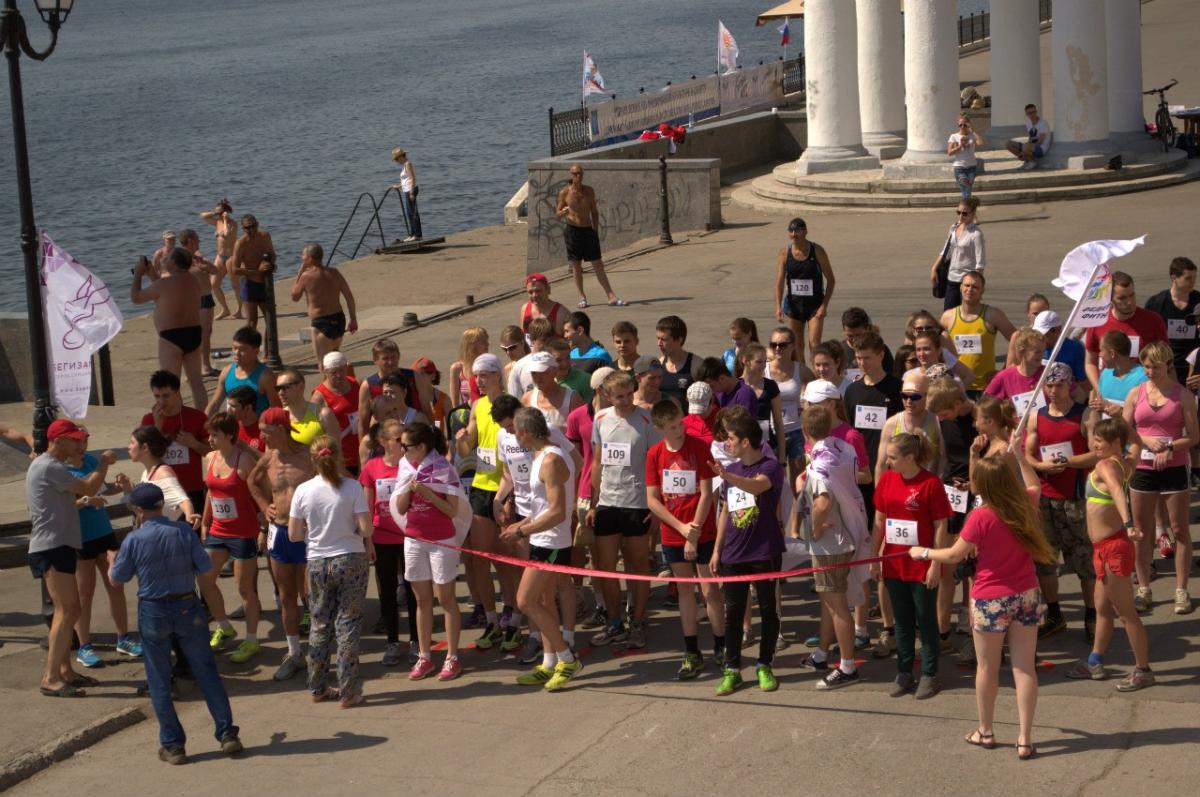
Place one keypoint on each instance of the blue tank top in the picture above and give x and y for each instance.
(93, 522)
(232, 381)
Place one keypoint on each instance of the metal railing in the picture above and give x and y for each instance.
(978, 27)
(568, 131)
(374, 221)
(793, 75)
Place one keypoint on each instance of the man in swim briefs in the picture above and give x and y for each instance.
(176, 297)
(325, 288)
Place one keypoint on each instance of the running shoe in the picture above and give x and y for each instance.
(812, 641)
(86, 655)
(836, 679)
(1183, 602)
(531, 652)
(538, 676)
(1166, 546)
(305, 623)
(217, 640)
(450, 669)
(129, 647)
(422, 668)
(245, 651)
(512, 639)
(1082, 671)
(927, 687)
(1143, 599)
(490, 636)
(862, 640)
(966, 654)
(289, 668)
(766, 678)
(563, 673)
(730, 680)
(886, 645)
(693, 665)
(599, 619)
(637, 635)
(810, 662)
(1137, 679)
(613, 632)
(1051, 625)
(391, 654)
(782, 643)
(476, 618)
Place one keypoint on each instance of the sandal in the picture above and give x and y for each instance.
(81, 680)
(583, 303)
(351, 702)
(980, 739)
(1026, 756)
(617, 303)
(325, 694)
(66, 690)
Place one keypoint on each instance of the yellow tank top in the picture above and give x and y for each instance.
(976, 346)
(308, 428)
(487, 455)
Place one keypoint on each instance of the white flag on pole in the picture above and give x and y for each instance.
(81, 316)
(727, 49)
(593, 83)
(1085, 277)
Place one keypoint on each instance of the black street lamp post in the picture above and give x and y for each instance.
(12, 33)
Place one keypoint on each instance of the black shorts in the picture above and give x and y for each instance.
(62, 559)
(94, 548)
(254, 291)
(554, 556)
(613, 520)
(583, 243)
(332, 326)
(207, 302)
(1166, 481)
(481, 503)
(800, 309)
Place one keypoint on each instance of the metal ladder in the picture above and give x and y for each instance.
(376, 207)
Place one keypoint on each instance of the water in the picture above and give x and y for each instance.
(150, 111)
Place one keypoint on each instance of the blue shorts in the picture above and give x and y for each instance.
(239, 548)
(283, 550)
(1038, 152)
(794, 440)
(673, 554)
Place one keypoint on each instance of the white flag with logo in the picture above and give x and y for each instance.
(727, 49)
(81, 316)
(593, 83)
(1085, 277)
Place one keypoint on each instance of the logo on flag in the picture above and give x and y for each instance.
(727, 49)
(1085, 277)
(593, 83)
(786, 33)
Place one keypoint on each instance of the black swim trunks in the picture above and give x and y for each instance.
(583, 244)
(207, 302)
(332, 326)
(187, 339)
(254, 291)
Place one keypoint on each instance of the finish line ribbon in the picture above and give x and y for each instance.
(583, 571)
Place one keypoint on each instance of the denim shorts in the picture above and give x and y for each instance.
(239, 548)
(794, 441)
(673, 554)
(995, 615)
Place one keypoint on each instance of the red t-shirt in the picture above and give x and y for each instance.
(381, 477)
(921, 499)
(252, 436)
(187, 464)
(696, 426)
(1143, 327)
(689, 466)
(1002, 565)
(579, 432)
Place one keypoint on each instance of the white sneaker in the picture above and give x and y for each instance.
(410, 239)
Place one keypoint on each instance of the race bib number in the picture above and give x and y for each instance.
(1180, 329)
(900, 532)
(957, 499)
(1058, 452)
(351, 425)
(1147, 454)
(739, 499)
(968, 344)
(1135, 345)
(224, 508)
(679, 482)
(1021, 401)
(177, 454)
(521, 469)
(272, 530)
(802, 287)
(869, 417)
(616, 455)
(485, 460)
(384, 489)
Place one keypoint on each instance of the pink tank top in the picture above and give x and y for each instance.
(1165, 422)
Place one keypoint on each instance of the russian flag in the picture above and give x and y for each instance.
(785, 33)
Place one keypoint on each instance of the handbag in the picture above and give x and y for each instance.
(942, 270)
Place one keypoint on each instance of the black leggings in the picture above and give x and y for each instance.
(389, 574)
(737, 594)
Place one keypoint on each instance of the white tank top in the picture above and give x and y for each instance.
(789, 397)
(406, 182)
(555, 418)
(558, 537)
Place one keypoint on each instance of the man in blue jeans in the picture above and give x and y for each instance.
(166, 556)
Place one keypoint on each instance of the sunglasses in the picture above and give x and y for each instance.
(778, 344)
(577, 174)
(510, 347)
(911, 396)
(964, 212)
(286, 385)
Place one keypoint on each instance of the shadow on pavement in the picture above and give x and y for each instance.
(281, 746)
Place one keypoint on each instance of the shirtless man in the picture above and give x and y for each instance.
(176, 298)
(203, 270)
(221, 217)
(577, 204)
(253, 258)
(160, 254)
(286, 465)
(325, 288)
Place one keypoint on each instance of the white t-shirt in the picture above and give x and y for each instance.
(1037, 131)
(329, 513)
(520, 382)
(965, 157)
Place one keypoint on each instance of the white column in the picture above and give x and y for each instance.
(930, 87)
(1016, 67)
(831, 90)
(881, 77)
(1123, 26)
(1079, 50)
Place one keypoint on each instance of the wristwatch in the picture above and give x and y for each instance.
(925, 554)
(1171, 446)
(1129, 524)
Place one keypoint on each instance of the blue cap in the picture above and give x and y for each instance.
(146, 495)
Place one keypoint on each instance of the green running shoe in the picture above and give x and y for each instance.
(730, 681)
(766, 678)
(536, 677)
(491, 635)
(693, 664)
(245, 651)
(512, 639)
(563, 673)
(217, 640)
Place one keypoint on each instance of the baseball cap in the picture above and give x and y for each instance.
(335, 359)
(600, 374)
(275, 416)
(541, 362)
(64, 428)
(486, 362)
(1046, 320)
(821, 390)
(537, 276)
(146, 495)
(645, 364)
(425, 366)
(1059, 373)
(699, 398)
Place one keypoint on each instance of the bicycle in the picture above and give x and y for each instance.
(1164, 127)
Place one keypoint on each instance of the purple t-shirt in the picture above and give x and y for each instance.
(763, 539)
(742, 395)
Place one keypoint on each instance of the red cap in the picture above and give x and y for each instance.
(425, 366)
(537, 276)
(64, 428)
(275, 416)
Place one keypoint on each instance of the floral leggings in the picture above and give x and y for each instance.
(337, 588)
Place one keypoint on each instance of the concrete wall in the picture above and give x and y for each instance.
(16, 373)
(627, 192)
